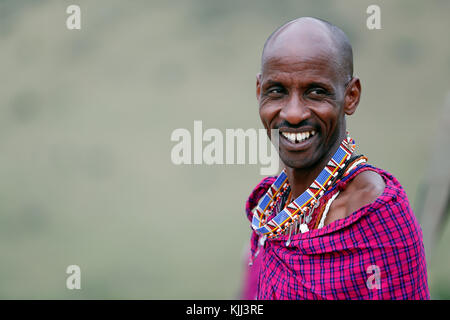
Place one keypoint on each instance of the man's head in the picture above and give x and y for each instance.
(306, 87)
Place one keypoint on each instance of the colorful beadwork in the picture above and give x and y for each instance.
(300, 206)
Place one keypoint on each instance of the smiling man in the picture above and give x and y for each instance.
(330, 226)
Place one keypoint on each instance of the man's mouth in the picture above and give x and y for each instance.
(298, 137)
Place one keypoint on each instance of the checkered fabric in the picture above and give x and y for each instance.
(342, 260)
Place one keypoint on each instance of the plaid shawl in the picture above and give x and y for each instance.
(338, 261)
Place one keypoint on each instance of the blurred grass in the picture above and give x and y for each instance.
(86, 118)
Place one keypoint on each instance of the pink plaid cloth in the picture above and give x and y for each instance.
(337, 261)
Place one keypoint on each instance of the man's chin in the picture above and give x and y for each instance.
(299, 164)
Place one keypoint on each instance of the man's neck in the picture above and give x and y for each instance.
(301, 179)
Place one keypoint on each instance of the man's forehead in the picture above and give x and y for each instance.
(300, 72)
(314, 62)
(290, 61)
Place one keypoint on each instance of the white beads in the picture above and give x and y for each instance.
(304, 228)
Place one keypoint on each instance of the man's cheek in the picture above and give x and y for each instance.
(265, 119)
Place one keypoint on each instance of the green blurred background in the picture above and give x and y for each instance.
(86, 118)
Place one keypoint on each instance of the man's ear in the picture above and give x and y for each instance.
(258, 86)
(352, 96)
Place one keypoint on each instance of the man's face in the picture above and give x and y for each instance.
(302, 93)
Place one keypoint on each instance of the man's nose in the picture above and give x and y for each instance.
(296, 110)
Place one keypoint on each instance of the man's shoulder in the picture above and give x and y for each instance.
(361, 189)
(372, 185)
(257, 192)
(367, 186)
(390, 206)
(261, 188)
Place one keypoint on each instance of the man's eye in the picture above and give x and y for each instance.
(318, 91)
(318, 94)
(275, 91)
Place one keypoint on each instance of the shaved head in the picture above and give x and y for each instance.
(299, 35)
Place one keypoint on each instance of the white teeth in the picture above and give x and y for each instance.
(292, 137)
(289, 136)
(298, 137)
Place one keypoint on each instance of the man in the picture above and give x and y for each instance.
(330, 226)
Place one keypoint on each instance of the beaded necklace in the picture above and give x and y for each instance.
(295, 216)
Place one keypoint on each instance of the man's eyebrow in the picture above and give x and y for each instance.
(320, 84)
(271, 82)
